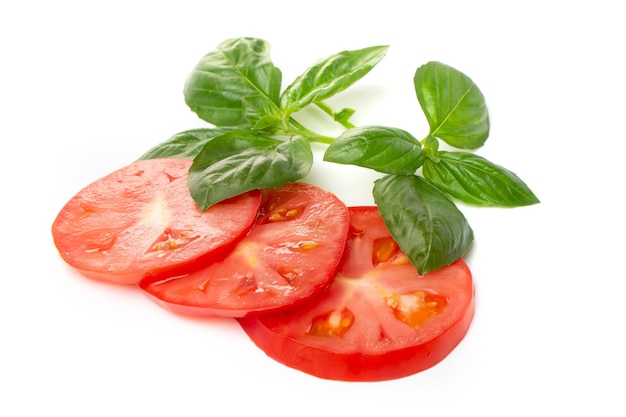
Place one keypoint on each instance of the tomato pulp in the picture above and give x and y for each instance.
(141, 221)
(378, 320)
(290, 254)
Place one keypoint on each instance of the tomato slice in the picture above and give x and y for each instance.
(378, 320)
(290, 254)
(141, 221)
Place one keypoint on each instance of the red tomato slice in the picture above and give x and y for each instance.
(378, 320)
(141, 221)
(290, 254)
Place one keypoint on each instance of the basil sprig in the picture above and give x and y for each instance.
(255, 142)
(418, 208)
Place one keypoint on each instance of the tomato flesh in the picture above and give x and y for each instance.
(378, 320)
(141, 221)
(290, 254)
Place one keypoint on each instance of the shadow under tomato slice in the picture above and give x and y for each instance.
(141, 221)
(289, 255)
(378, 319)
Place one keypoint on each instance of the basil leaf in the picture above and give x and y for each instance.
(241, 161)
(343, 116)
(430, 148)
(384, 149)
(453, 104)
(329, 76)
(425, 223)
(261, 114)
(475, 180)
(230, 143)
(238, 69)
(184, 145)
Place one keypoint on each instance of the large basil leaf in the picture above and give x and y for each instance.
(475, 180)
(425, 223)
(241, 161)
(185, 144)
(219, 85)
(384, 149)
(453, 104)
(329, 76)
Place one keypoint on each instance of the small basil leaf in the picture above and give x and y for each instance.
(384, 149)
(431, 148)
(329, 76)
(239, 162)
(453, 104)
(224, 78)
(343, 116)
(185, 144)
(261, 114)
(475, 180)
(425, 223)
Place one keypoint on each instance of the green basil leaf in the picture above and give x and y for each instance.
(231, 143)
(343, 116)
(384, 149)
(330, 76)
(425, 223)
(453, 104)
(261, 114)
(430, 148)
(184, 145)
(241, 161)
(239, 68)
(475, 180)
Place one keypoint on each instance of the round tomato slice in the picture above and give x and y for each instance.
(141, 221)
(378, 320)
(290, 254)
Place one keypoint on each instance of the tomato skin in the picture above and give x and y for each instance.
(140, 220)
(363, 339)
(289, 255)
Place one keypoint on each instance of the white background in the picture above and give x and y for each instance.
(87, 87)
